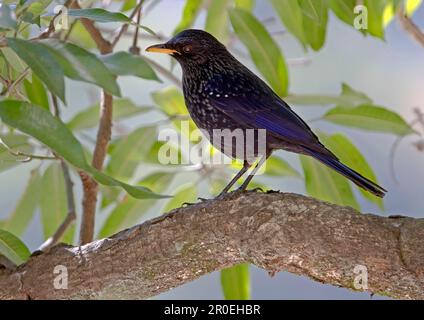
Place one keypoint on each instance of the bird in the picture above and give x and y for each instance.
(222, 93)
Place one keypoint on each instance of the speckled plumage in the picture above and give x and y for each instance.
(221, 93)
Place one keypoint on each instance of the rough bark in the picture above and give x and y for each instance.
(274, 231)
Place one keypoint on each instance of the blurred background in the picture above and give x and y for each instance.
(389, 71)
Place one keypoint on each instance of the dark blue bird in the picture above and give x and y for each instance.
(221, 93)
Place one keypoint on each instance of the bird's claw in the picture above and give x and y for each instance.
(187, 204)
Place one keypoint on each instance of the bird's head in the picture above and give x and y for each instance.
(191, 47)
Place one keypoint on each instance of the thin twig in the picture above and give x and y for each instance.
(410, 27)
(28, 156)
(418, 120)
(134, 49)
(55, 105)
(103, 45)
(51, 29)
(130, 34)
(17, 81)
(90, 186)
(71, 215)
(124, 28)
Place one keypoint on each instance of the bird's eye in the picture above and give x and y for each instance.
(187, 48)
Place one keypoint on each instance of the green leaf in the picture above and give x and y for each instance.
(276, 166)
(129, 211)
(13, 248)
(190, 13)
(411, 6)
(349, 97)
(326, 184)
(235, 282)
(80, 64)
(369, 117)
(388, 13)
(126, 155)
(312, 99)
(33, 10)
(19, 219)
(290, 14)
(152, 155)
(315, 18)
(110, 195)
(171, 101)
(16, 142)
(245, 4)
(217, 20)
(128, 5)
(81, 37)
(43, 126)
(48, 129)
(126, 64)
(376, 17)
(185, 193)
(264, 51)
(122, 108)
(53, 203)
(13, 59)
(99, 15)
(344, 10)
(36, 93)
(350, 155)
(354, 97)
(42, 62)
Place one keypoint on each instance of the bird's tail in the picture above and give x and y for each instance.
(349, 173)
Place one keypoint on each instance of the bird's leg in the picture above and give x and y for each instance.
(250, 177)
(243, 170)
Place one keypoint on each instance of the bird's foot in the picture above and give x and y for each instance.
(221, 195)
(187, 204)
(272, 191)
(242, 190)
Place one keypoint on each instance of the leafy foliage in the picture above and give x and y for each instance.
(236, 282)
(263, 49)
(13, 248)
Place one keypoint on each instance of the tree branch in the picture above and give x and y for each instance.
(274, 231)
(102, 44)
(410, 27)
(124, 27)
(90, 186)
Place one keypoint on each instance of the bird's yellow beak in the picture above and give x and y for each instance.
(161, 48)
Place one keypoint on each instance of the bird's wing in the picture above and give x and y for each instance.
(268, 112)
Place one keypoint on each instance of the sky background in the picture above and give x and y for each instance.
(391, 72)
